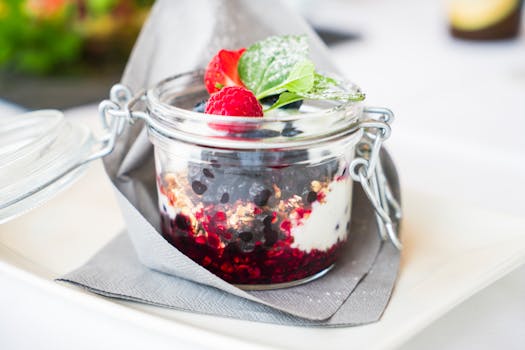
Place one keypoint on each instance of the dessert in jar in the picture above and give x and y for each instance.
(256, 187)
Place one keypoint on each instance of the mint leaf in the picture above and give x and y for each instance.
(327, 88)
(284, 99)
(268, 63)
(300, 79)
(280, 65)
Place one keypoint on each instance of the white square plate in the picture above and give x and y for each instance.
(452, 250)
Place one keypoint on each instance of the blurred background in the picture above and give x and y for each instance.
(62, 53)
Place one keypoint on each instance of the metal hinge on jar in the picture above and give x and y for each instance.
(366, 169)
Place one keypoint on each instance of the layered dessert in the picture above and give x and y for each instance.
(257, 226)
(258, 216)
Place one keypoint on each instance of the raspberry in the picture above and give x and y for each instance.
(234, 101)
(222, 70)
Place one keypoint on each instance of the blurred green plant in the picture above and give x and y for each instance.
(48, 36)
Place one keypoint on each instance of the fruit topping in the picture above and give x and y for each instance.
(234, 101)
(222, 70)
(278, 71)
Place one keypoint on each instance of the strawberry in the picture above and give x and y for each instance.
(222, 70)
(234, 101)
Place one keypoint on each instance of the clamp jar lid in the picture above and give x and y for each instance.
(40, 154)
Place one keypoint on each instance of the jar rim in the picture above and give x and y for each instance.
(153, 97)
(183, 124)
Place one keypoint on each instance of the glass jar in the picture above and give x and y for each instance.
(262, 202)
(256, 201)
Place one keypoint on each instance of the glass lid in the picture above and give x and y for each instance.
(40, 153)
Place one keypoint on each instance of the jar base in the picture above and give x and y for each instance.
(285, 284)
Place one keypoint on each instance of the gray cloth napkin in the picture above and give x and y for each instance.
(179, 36)
(357, 289)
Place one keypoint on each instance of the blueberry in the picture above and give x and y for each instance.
(225, 198)
(270, 100)
(198, 187)
(290, 131)
(293, 105)
(312, 197)
(200, 106)
(182, 222)
(262, 197)
(207, 172)
(246, 241)
(261, 134)
(202, 181)
(267, 221)
(270, 236)
(246, 236)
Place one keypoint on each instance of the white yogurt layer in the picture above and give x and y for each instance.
(327, 222)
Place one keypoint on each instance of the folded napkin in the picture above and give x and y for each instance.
(355, 292)
(180, 36)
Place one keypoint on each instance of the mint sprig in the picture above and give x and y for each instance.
(299, 79)
(280, 66)
(268, 63)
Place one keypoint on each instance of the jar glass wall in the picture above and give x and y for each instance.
(247, 198)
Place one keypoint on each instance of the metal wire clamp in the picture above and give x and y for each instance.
(366, 169)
